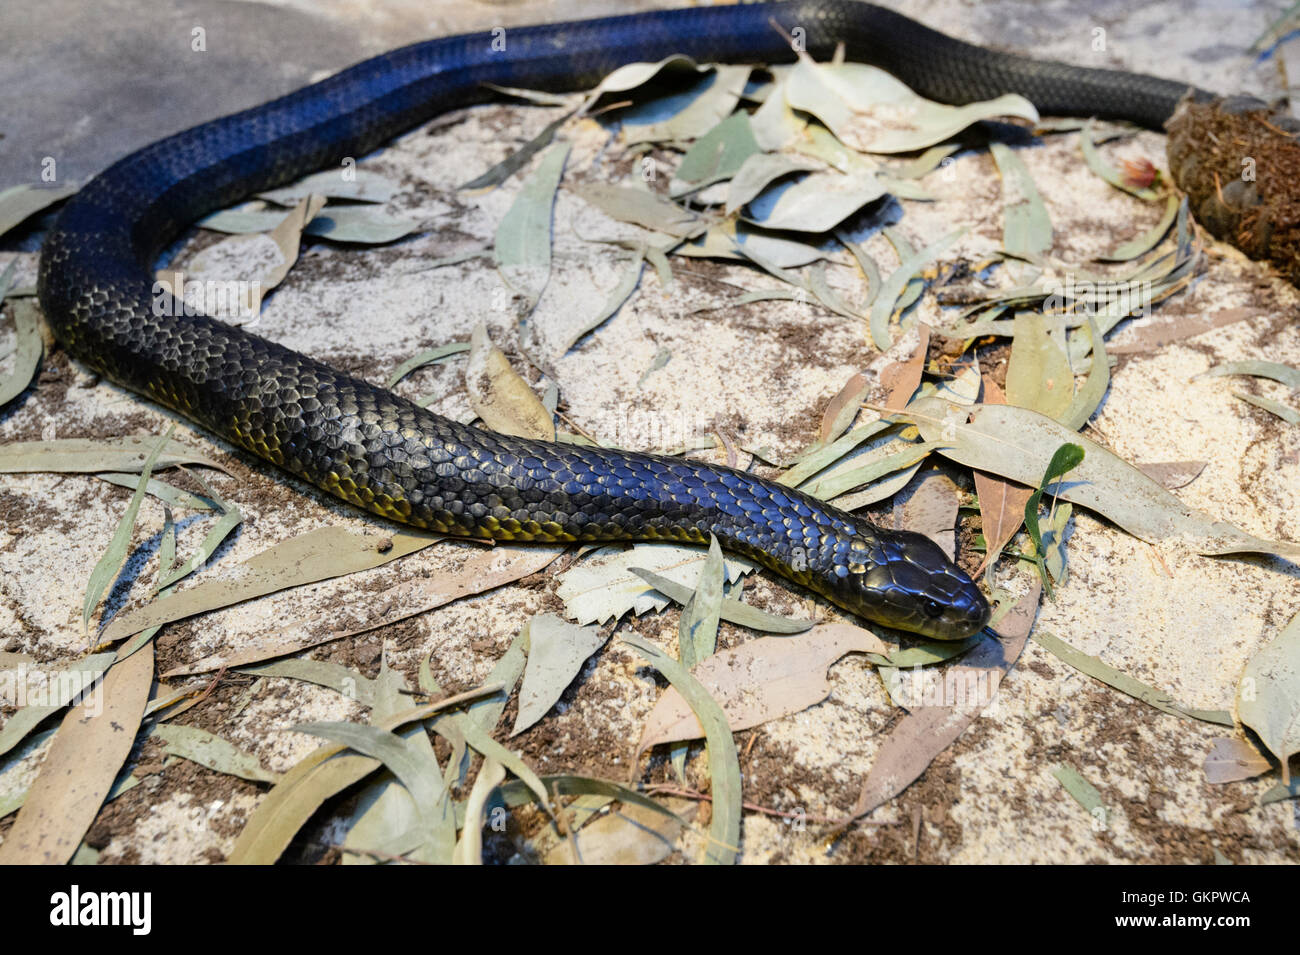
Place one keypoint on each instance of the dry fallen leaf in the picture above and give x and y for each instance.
(926, 731)
(1002, 502)
(843, 408)
(760, 680)
(1232, 760)
(317, 555)
(88, 751)
(480, 572)
(901, 379)
(1268, 695)
(499, 396)
(932, 510)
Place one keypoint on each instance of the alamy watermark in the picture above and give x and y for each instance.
(234, 300)
(26, 685)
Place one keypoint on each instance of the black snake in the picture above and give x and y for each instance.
(386, 454)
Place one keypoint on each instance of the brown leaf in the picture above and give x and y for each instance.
(926, 731)
(904, 377)
(1002, 502)
(760, 680)
(1173, 474)
(931, 509)
(843, 408)
(88, 751)
(1232, 760)
(1155, 334)
(499, 396)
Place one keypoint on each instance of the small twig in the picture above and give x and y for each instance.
(576, 427)
(210, 687)
(376, 854)
(664, 789)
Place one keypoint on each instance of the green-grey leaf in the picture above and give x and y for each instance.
(1038, 371)
(626, 286)
(1126, 684)
(724, 762)
(1089, 397)
(20, 203)
(160, 489)
(1268, 695)
(556, 652)
(206, 749)
(641, 207)
(1083, 792)
(422, 781)
(107, 565)
(1027, 228)
(759, 171)
(1016, 443)
(1285, 412)
(85, 455)
(346, 182)
(697, 629)
(434, 355)
(517, 159)
(1275, 370)
(523, 239)
(1147, 240)
(337, 677)
(717, 155)
(28, 349)
(892, 288)
(731, 610)
(63, 686)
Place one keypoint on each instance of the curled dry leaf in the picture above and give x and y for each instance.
(843, 408)
(500, 397)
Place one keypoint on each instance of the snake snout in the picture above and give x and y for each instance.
(906, 581)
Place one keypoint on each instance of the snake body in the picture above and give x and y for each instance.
(388, 455)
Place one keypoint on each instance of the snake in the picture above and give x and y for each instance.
(403, 462)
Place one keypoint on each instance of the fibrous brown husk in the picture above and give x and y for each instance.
(1238, 160)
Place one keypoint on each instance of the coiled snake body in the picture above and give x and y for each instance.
(388, 455)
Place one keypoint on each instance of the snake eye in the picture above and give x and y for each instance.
(932, 608)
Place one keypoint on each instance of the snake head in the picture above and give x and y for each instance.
(905, 581)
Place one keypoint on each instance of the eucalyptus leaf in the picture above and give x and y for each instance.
(1268, 695)
(523, 239)
(724, 761)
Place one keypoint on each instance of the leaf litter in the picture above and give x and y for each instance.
(734, 147)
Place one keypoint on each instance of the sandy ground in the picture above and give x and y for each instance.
(762, 373)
